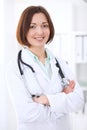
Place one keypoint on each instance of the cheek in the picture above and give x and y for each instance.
(29, 36)
(48, 32)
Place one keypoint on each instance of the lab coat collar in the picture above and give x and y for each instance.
(29, 57)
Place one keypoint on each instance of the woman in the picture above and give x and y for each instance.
(41, 101)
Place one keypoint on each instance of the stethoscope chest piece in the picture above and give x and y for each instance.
(65, 82)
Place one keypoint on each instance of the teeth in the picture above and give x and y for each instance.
(39, 38)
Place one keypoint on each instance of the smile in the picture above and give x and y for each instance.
(39, 38)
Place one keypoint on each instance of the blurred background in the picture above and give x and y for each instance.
(70, 43)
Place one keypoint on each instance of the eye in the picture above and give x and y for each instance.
(45, 25)
(32, 26)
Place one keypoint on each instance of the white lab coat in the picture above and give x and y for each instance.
(34, 116)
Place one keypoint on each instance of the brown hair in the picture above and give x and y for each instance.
(25, 21)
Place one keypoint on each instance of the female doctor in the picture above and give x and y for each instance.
(42, 100)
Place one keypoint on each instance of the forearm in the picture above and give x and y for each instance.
(44, 100)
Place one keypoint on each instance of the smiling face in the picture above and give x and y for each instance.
(39, 31)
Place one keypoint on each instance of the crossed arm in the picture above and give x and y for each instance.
(44, 100)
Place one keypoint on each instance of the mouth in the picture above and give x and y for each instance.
(39, 38)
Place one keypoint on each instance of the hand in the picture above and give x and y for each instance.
(41, 99)
(70, 87)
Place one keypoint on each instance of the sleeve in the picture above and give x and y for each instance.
(26, 109)
(66, 103)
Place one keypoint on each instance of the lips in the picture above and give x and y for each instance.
(39, 38)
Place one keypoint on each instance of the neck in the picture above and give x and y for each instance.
(40, 53)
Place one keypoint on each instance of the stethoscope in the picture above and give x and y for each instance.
(64, 80)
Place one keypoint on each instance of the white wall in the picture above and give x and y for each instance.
(80, 17)
(2, 88)
(8, 49)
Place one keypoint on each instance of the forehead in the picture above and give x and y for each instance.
(39, 17)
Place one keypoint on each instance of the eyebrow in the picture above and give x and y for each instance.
(42, 23)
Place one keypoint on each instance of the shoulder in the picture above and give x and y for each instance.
(62, 62)
(12, 67)
(63, 65)
(66, 68)
(54, 57)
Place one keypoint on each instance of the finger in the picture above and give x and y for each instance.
(35, 99)
(72, 84)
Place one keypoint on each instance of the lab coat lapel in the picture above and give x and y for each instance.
(39, 71)
(54, 71)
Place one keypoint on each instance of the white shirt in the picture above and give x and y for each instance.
(34, 116)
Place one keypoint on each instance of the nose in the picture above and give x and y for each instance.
(40, 30)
